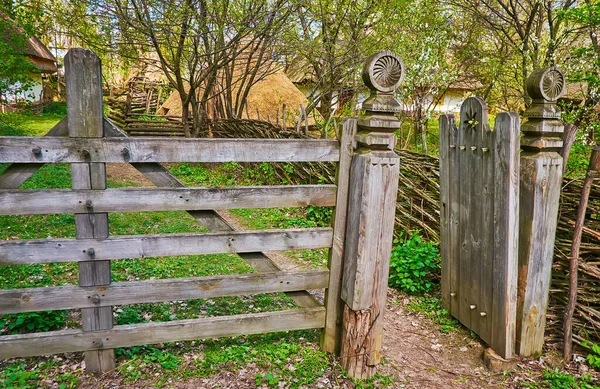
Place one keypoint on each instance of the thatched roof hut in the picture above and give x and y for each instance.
(265, 101)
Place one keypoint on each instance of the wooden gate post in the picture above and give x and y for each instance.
(374, 177)
(83, 73)
(541, 176)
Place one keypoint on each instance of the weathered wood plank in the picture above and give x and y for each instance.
(445, 123)
(488, 225)
(83, 72)
(153, 291)
(506, 235)
(330, 338)
(47, 201)
(138, 334)
(454, 223)
(465, 296)
(145, 246)
(57, 149)
(479, 121)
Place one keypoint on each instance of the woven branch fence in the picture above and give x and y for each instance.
(418, 208)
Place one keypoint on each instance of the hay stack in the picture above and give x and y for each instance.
(266, 96)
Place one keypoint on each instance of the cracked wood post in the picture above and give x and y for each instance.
(541, 176)
(374, 174)
(83, 73)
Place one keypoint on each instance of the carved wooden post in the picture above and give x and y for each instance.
(370, 223)
(83, 73)
(541, 175)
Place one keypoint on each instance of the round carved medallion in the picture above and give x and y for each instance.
(547, 84)
(383, 71)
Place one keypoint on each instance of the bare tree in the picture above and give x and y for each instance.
(195, 40)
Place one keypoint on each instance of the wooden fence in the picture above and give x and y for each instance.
(88, 141)
(499, 210)
(479, 222)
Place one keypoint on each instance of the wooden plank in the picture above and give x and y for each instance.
(56, 149)
(506, 234)
(83, 72)
(488, 225)
(48, 201)
(153, 291)
(56, 342)
(454, 216)
(477, 111)
(464, 295)
(16, 174)
(330, 338)
(145, 246)
(161, 177)
(445, 123)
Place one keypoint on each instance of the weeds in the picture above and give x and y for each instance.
(414, 265)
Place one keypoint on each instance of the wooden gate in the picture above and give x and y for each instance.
(479, 189)
(88, 141)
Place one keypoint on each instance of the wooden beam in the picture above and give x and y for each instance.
(154, 291)
(48, 201)
(83, 72)
(331, 336)
(145, 246)
(58, 149)
(56, 342)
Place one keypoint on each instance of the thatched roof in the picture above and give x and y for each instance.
(467, 84)
(265, 99)
(299, 71)
(37, 52)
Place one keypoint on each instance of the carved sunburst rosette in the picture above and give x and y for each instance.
(546, 84)
(383, 72)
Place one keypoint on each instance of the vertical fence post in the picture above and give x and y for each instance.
(541, 175)
(374, 177)
(330, 338)
(83, 74)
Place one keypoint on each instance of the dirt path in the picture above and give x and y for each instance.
(418, 354)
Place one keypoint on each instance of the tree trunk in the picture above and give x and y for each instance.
(185, 111)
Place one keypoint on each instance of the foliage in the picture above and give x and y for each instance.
(15, 67)
(556, 379)
(414, 264)
(593, 358)
(33, 322)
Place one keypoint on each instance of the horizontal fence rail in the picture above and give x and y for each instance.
(56, 342)
(59, 149)
(14, 252)
(154, 291)
(48, 201)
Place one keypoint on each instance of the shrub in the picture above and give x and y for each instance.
(414, 264)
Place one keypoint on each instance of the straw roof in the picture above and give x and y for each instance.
(264, 100)
(37, 52)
